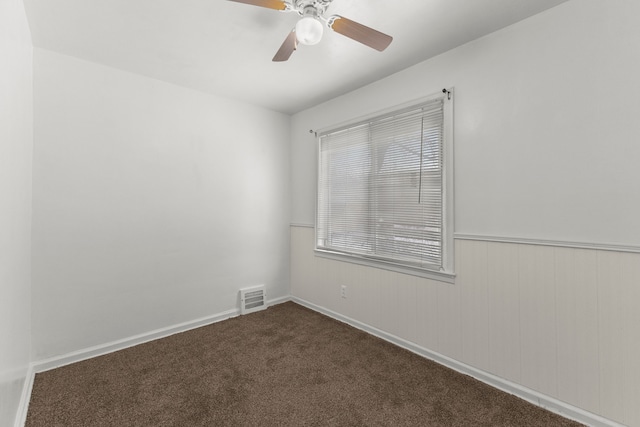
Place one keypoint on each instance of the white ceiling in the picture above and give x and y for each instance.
(225, 48)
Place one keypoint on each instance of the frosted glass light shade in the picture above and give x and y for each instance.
(309, 30)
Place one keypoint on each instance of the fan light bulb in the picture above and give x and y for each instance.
(309, 30)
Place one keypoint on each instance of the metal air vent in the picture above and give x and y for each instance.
(253, 299)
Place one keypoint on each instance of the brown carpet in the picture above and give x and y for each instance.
(286, 366)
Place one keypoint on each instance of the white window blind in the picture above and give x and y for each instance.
(381, 192)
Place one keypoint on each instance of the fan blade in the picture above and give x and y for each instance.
(360, 33)
(290, 44)
(270, 4)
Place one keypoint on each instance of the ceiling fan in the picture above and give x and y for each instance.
(309, 28)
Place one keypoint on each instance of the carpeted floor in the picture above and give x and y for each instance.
(285, 366)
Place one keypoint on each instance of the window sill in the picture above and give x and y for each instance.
(440, 276)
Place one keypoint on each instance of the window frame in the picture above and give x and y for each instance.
(447, 272)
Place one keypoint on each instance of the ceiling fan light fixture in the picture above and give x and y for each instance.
(309, 30)
(310, 26)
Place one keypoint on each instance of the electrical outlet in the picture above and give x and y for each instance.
(343, 291)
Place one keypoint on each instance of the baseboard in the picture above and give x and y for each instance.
(532, 396)
(277, 301)
(550, 403)
(102, 349)
(99, 350)
(23, 406)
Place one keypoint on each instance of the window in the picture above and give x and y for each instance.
(385, 189)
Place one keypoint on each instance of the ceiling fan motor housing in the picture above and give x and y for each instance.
(313, 8)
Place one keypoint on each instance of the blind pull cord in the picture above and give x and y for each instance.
(421, 160)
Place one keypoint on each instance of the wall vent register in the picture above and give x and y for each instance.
(252, 299)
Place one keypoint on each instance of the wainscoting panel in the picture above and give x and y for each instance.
(611, 333)
(503, 294)
(472, 280)
(537, 319)
(577, 300)
(618, 298)
(561, 321)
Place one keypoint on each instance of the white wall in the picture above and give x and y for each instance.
(16, 144)
(153, 204)
(545, 128)
(546, 148)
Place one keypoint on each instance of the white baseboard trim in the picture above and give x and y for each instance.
(532, 396)
(23, 406)
(99, 350)
(277, 301)
(547, 402)
(102, 349)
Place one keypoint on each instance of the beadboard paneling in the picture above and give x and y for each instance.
(537, 319)
(577, 300)
(503, 295)
(472, 280)
(611, 333)
(561, 321)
